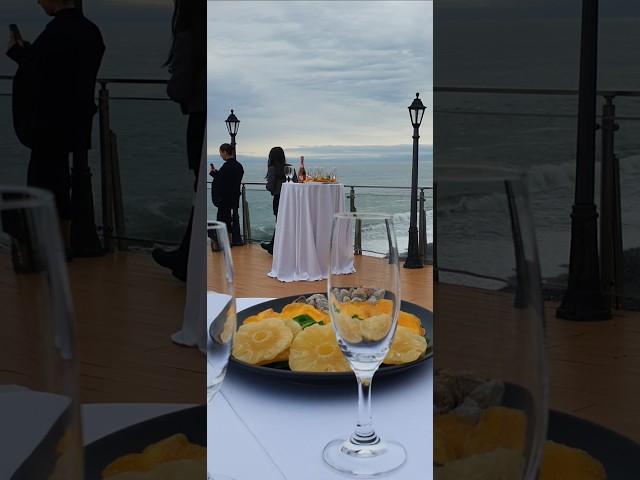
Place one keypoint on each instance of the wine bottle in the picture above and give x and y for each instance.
(302, 174)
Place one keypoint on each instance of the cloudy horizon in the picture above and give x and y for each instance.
(313, 74)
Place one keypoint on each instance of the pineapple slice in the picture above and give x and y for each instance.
(261, 342)
(449, 433)
(295, 309)
(348, 327)
(560, 461)
(268, 313)
(293, 326)
(499, 427)
(316, 349)
(407, 346)
(500, 464)
(375, 328)
(412, 322)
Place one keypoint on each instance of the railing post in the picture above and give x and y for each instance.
(246, 224)
(357, 248)
(434, 202)
(118, 207)
(105, 167)
(422, 229)
(610, 221)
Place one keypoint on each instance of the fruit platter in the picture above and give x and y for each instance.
(292, 337)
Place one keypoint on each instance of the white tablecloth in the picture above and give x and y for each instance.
(303, 233)
(192, 333)
(291, 423)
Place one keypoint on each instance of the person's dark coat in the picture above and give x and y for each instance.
(225, 188)
(54, 87)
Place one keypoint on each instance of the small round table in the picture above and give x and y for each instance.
(303, 233)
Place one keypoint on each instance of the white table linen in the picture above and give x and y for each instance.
(303, 233)
(193, 332)
(293, 422)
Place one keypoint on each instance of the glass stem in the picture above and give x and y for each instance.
(364, 433)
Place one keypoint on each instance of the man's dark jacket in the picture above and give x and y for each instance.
(54, 87)
(225, 188)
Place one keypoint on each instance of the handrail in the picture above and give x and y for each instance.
(533, 91)
(388, 187)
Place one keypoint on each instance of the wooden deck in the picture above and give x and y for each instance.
(126, 308)
(594, 367)
(252, 263)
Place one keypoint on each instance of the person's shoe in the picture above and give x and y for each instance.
(167, 258)
(180, 273)
(268, 247)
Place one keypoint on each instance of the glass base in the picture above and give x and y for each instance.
(364, 461)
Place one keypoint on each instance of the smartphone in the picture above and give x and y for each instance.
(16, 32)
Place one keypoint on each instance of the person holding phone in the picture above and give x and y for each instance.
(53, 97)
(225, 190)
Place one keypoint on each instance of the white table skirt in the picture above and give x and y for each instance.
(292, 422)
(303, 233)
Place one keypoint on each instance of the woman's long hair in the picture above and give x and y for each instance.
(190, 15)
(277, 160)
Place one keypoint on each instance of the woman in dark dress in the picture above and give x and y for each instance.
(187, 64)
(275, 177)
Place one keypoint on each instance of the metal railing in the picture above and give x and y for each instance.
(351, 197)
(113, 219)
(611, 245)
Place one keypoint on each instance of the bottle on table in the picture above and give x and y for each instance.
(302, 174)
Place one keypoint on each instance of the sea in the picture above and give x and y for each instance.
(361, 166)
(157, 184)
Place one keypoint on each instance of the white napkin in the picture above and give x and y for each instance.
(26, 417)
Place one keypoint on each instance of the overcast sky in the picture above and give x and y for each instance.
(318, 72)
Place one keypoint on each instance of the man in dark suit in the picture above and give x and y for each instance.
(53, 98)
(225, 188)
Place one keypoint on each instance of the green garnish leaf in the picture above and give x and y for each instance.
(357, 316)
(305, 320)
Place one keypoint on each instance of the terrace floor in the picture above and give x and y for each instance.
(127, 307)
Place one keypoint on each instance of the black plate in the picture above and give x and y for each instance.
(619, 455)
(425, 316)
(134, 439)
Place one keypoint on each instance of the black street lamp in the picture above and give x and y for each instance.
(416, 112)
(232, 127)
(584, 299)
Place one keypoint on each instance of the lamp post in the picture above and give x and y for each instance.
(416, 112)
(584, 299)
(232, 127)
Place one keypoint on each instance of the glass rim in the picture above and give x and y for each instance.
(459, 172)
(35, 198)
(363, 216)
(216, 225)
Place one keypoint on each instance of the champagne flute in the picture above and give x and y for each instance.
(287, 173)
(364, 337)
(490, 325)
(222, 320)
(39, 375)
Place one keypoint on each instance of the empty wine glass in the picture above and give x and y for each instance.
(491, 373)
(222, 317)
(364, 309)
(288, 173)
(39, 370)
